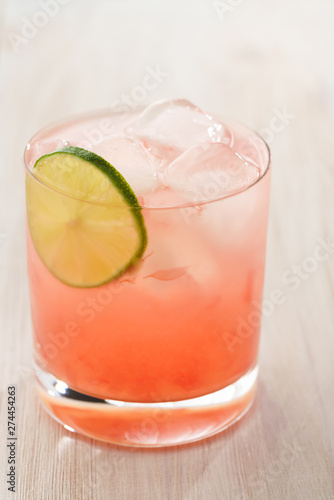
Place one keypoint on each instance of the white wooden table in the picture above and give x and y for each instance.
(268, 64)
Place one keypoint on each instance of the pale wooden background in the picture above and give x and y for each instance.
(245, 59)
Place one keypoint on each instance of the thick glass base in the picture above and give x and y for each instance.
(146, 424)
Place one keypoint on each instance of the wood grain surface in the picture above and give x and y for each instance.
(268, 64)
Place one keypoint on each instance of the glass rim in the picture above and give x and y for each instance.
(186, 204)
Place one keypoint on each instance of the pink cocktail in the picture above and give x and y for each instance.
(167, 352)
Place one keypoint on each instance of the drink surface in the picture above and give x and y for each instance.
(184, 321)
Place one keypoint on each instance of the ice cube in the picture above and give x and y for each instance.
(136, 164)
(179, 255)
(38, 148)
(210, 171)
(164, 197)
(169, 127)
